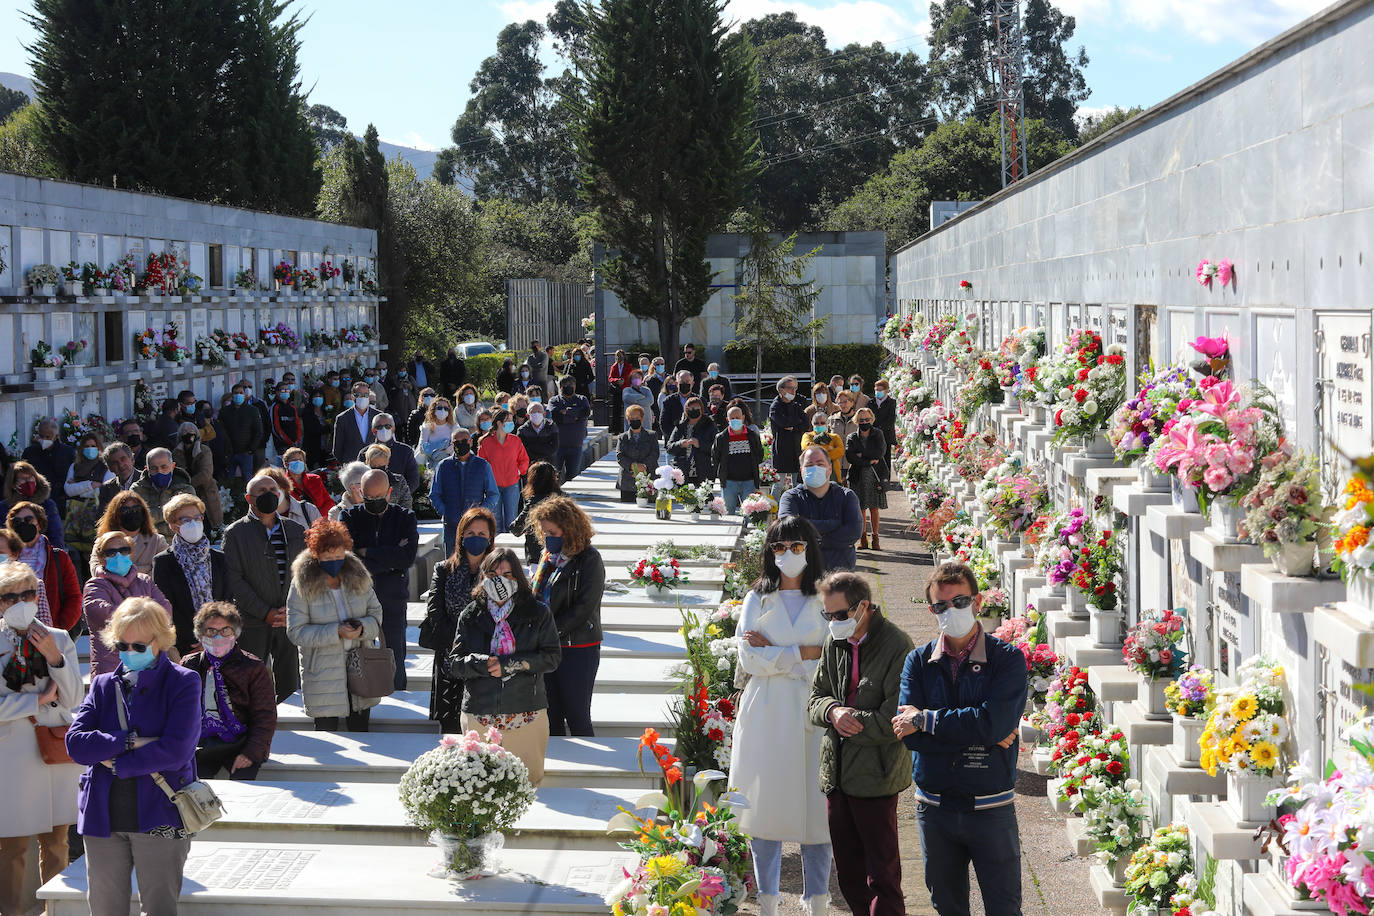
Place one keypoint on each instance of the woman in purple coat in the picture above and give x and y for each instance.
(139, 720)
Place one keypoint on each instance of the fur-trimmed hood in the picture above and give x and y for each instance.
(308, 575)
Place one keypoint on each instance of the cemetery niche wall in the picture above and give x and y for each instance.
(101, 290)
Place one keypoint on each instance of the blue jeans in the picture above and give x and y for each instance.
(768, 865)
(735, 492)
(569, 462)
(507, 507)
(990, 840)
(569, 689)
(242, 464)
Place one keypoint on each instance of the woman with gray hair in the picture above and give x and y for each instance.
(351, 476)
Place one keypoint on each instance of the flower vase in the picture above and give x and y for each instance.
(44, 290)
(46, 375)
(1037, 415)
(146, 365)
(1118, 869)
(989, 623)
(658, 592)
(696, 516)
(77, 289)
(1295, 559)
(644, 502)
(1151, 481)
(1245, 794)
(464, 858)
(1185, 495)
(1077, 604)
(1098, 446)
(72, 372)
(1105, 626)
(1359, 590)
(1226, 518)
(1187, 732)
(1152, 698)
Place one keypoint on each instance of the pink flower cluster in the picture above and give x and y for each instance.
(1214, 440)
(472, 742)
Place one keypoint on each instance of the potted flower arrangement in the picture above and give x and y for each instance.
(160, 276)
(589, 326)
(1069, 703)
(1015, 503)
(1189, 699)
(1245, 736)
(996, 607)
(211, 352)
(1100, 759)
(42, 280)
(281, 337)
(717, 506)
(73, 281)
(644, 490)
(757, 508)
(1152, 650)
(1041, 662)
(284, 274)
(147, 346)
(1139, 422)
(695, 499)
(935, 336)
(1116, 820)
(1100, 562)
(329, 274)
(69, 351)
(367, 281)
(245, 282)
(1087, 402)
(1284, 511)
(658, 575)
(349, 273)
(1354, 554)
(47, 365)
(1158, 867)
(466, 792)
(307, 280)
(981, 387)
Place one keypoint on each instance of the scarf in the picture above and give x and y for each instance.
(194, 560)
(218, 719)
(458, 588)
(26, 664)
(36, 557)
(503, 640)
(544, 577)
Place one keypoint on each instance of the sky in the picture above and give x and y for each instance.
(405, 65)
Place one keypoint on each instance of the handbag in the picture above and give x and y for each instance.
(52, 743)
(371, 671)
(196, 802)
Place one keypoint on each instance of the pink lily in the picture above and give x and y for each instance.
(1216, 399)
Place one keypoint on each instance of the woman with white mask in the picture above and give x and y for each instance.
(776, 754)
(190, 573)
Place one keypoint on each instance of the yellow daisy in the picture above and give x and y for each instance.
(1264, 754)
(664, 867)
(1244, 707)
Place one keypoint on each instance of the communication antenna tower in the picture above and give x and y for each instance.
(1006, 76)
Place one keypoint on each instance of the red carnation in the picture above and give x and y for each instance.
(1114, 768)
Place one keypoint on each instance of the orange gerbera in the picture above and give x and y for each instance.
(1355, 538)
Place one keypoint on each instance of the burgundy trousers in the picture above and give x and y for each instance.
(868, 861)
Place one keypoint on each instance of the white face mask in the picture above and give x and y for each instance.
(440, 413)
(822, 398)
(955, 622)
(537, 418)
(791, 564)
(468, 399)
(383, 435)
(192, 532)
(20, 614)
(787, 395)
(428, 399)
(843, 629)
(499, 589)
(45, 443)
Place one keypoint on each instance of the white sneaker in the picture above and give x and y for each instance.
(818, 905)
(768, 904)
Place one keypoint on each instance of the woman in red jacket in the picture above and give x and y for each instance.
(305, 486)
(52, 565)
(506, 454)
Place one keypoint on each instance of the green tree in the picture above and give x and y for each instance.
(21, 145)
(513, 137)
(11, 100)
(664, 134)
(1093, 126)
(329, 125)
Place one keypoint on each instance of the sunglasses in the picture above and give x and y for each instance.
(781, 547)
(12, 597)
(126, 551)
(840, 615)
(121, 646)
(961, 602)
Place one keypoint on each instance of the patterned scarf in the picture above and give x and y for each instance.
(458, 589)
(194, 560)
(26, 664)
(218, 719)
(544, 577)
(36, 557)
(503, 640)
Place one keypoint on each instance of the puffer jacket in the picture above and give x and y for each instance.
(103, 593)
(874, 763)
(537, 653)
(157, 498)
(312, 623)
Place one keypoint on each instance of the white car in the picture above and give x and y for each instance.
(476, 348)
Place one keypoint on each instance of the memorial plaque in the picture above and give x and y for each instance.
(199, 265)
(1344, 370)
(155, 246)
(30, 253)
(87, 248)
(31, 332)
(303, 802)
(1235, 638)
(9, 422)
(1276, 362)
(228, 868)
(111, 249)
(59, 247)
(1094, 319)
(61, 329)
(200, 326)
(86, 330)
(1236, 329)
(1054, 331)
(1182, 332)
(7, 275)
(1118, 326)
(7, 352)
(1185, 581)
(1075, 319)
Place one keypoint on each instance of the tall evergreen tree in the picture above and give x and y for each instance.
(664, 134)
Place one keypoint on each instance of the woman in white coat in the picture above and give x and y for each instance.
(775, 760)
(42, 680)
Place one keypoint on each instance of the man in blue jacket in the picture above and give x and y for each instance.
(961, 702)
(460, 483)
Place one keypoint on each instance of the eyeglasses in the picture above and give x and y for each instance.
(190, 518)
(113, 551)
(781, 547)
(384, 427)
(121, 646)
(840, 615)
(961, 602)
(12, 597)
(221, 631)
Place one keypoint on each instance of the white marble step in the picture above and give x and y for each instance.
(276, 879)
(622, 674)
(367, 757)
(368, 812)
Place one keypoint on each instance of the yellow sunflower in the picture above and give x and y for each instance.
(661, 867)
(1244, 707)
(1264, 754)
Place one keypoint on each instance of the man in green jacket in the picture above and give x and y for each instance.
(864, 766)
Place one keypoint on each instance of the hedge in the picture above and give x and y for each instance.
(482, 369)
(831, 359)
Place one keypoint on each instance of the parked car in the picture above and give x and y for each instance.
(477, 348)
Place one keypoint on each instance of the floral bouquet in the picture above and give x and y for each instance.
(214, 351)
(1116, 820)
(1285, 507)
(170, 348)
(915, 399)
(1139, 422)
(1065, 536)
(1089, 400)
(245, 279)
(1015, 503)
(1246, 729)
(768, 475)
(72, 426)
(1191, 694)
(757, 508)
(717, 506)
(961, 346)
(284, 272)
(1099, 564)
(147, 344)
(42, 275)
(306, 278)
(982, 387)
(996, 602)
(280, 335)
(1151, 646)
(927, 425)
(1041, 663)
(1354, 553)
(367, 280)
(43, 357)
(659, 571)
(1157, 868)
(72, 349)
(979, 559)
(467, 787)
(1069, 703)
(935, 335)
(704, 711)
(694, 498)
(1101, 760)
(327, 272)
(931, 523)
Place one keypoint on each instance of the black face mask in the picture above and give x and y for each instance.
(693, 413)
(133, 441)
(568, 391)
(188, 441)
(865, 427)
(462, 448)
(27, 529)
(130, 518)
(636, 424)
(376, 506)
(521, 414)
(267, 502)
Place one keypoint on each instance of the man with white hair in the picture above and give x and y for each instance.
(159, 483)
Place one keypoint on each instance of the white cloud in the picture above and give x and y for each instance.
(904, 23)
(1210, 21)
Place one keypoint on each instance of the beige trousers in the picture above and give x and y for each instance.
(14, 853)
(528, 742)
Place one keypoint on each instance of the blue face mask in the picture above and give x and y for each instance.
(89, 453)
(119, 564)
(485, 425)
(818, 429)
(736, 424)
(348, 403)
(329, 384)
(536, 400)
(714, 373)
(814, 475)
(332, 567)
(296, 467)
(879, 394)
(283, 395)
(854, 388)
(660, 369)
(475, 545)
(508, 426)
(161, 480)
(553, 544)
(137, 661)
(238, 400)
(369, 379)
(317, 401)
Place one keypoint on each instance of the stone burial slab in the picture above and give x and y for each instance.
(664, 619)
(359, 757)
(328, 813)
(275, 879)
(613, 714)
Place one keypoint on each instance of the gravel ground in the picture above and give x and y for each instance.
(1054, 881)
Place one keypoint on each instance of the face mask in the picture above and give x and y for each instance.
(693, 413)
(27, 487)
(267, 502)
(219, 646)
(736, 424)
(791, 564)
(376, 505)
(137, 661)
(475, 545)
(854, 388)
(822, 398)
(384, 435)
(27, 529)
(643, 367)
(401, 375)
(660, 369)
(577, 357)
(332, 567)
(331, 383)
(131, 518)
(568, 391)
(238, 400)
(192, 532)
(469, 399)
(133, 441)
(440, 413)
(369, 379)
(317, 401)
(119, 564)
(537, 417)
(20, 614)
(283, 395)
(880, 394)
(161, 480)
(248, 392)
(865, 427)
(524, 373)
(814, 476)
(462, 448)
(428, 399)
(499, 589)
(636, 382)
(45, 443)
(508, 426)
(348, 403)
(89, 453)
(955, 622)
(188, 442)
(819, 429)
(714, 373)
(788, 396)
(843, 629)
(484, 425)
(670, 388)
(188, 410)
(536, 400)
(635, 424)
(296, 467)
(553, 544)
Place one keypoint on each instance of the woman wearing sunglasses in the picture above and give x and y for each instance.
(776, 756)
(42, 678)
(139, 720)
(113, 581)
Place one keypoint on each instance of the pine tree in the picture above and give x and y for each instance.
(664, 133)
